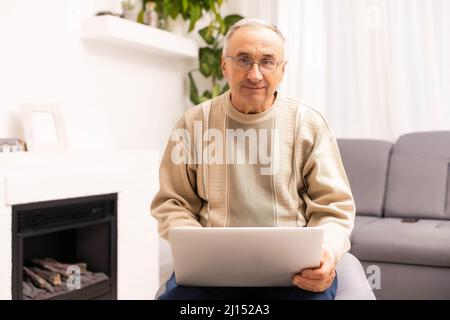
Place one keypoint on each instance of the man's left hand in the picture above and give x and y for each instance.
(318, 279)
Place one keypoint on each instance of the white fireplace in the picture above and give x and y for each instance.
(34, 177)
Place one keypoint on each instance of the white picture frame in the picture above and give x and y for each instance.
(43, 126)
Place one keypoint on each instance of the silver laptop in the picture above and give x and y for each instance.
(243, 257)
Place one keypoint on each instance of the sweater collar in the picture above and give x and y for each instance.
(250, 118)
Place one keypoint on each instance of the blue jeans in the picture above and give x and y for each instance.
(176, 292)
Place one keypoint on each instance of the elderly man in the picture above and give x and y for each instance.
(292, 177)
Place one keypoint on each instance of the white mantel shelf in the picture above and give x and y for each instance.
(136, 36)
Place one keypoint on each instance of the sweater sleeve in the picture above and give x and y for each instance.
(328, 197)
(176, 203)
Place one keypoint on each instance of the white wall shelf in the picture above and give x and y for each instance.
(136, 36)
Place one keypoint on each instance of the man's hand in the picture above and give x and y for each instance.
(319, 279)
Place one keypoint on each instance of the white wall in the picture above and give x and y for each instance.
(261, 9)
(111, 97)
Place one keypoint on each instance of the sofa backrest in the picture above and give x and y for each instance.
(366, 163)
(419, 177)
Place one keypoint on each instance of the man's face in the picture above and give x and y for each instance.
(253, 89)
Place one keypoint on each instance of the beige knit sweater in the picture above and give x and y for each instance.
(304, 183)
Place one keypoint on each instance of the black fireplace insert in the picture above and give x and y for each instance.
(49, 237)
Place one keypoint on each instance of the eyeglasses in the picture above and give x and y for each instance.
(266, 65)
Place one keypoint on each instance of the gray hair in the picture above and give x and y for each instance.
(250, 22)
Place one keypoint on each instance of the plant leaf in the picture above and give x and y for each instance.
(207, 59)
(221, 23)
(203, 99)
(207, 35)
(217, 67)
(185, 5)
(212, 6)
(195, 15)
(215, 90)
(193, 91)
(230, 20)
(225, 88)
(207, 94)
(167, 7)
(174, 10)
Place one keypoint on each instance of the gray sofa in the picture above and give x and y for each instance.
(402, 227)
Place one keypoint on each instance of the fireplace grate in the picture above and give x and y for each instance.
(68, 231)
(32, 219)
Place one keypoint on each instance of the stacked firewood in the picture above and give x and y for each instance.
(48, 278)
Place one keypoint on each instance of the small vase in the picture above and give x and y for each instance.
(178, 26)
(150, 15)
(130, 15)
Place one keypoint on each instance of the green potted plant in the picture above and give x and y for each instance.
(188, 10)
(213, 35)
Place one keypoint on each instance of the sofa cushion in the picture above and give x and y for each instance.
(423, 242)
(417, 187)
(361, 221)
(419, 177)
(366, 165)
